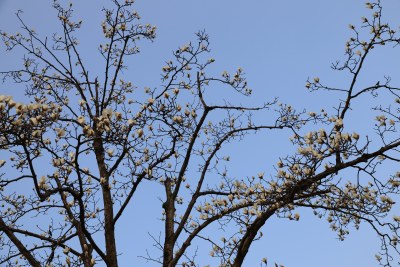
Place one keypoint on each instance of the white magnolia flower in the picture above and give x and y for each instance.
(356, 136)
(42, 182)
(339, 123)
(36, 133)
(81, 120)
(110, 152)
(11, 103)
(33, 121)
(60, 132)
(184, 48)
(177, 119)
(131, 122)
(140, 132)
(151, 101)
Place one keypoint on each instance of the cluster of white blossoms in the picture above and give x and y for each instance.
(111, 29)
(178, 119)
(43, 183)
(31, 118)
(104, 121)
(108, 31)
(68, 22)
(317, 144)
(362, 201)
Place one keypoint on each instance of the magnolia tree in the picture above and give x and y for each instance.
(78, 150)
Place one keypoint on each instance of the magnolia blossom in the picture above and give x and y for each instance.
(151, 101)
(81, 120)
(184, 48)
(339, 123)
(166, 68)
(3, 97)
(131, 122)
(60, 132)
(33, 121)
(356, 136)
(42, 182)
(381, 119)
(36, 133)
(88, 131)
(177, 119)
(386, 199)
(58, 162)
(140, 132)
(110, 152)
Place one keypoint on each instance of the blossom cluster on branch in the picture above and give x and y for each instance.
(86, 142)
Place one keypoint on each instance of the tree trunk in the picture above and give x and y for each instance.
(169, 208)
(109, 231)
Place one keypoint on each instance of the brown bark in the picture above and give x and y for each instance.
(109, 231)
(169, 208)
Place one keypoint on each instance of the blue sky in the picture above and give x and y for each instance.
(279, 44)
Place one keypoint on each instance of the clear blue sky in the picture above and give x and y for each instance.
(279, 44)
